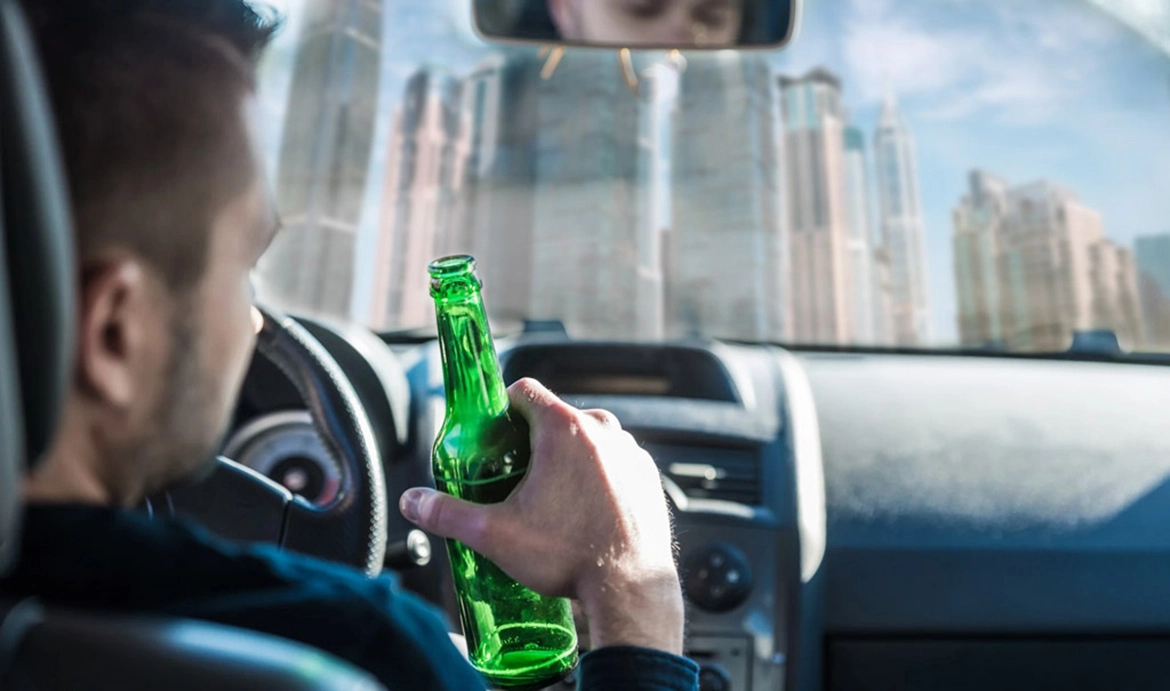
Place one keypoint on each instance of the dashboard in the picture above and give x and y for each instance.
(845, 521)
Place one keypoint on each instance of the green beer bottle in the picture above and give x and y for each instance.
(515, 637)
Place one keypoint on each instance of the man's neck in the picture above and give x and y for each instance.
(66, 475)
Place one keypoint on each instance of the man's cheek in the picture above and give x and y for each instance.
(242, 351)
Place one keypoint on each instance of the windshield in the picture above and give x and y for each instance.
(926, 173)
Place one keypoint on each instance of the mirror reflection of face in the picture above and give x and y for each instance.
(662, 23)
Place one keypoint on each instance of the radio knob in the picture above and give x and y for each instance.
(714, 678)
(717, 577)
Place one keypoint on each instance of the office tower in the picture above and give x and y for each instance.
(658, 90)
(883, 292)
(1152, 255)
(627, 213)
(901, 225)
(726, 239)
(977, 226)
(325, 156)
(1045, 267)
(867, 300)
(587, 197)
(496, 214)
(1116, 298)
(421, 197)
(818, 209)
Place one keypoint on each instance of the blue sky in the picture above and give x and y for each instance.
(1027, 89)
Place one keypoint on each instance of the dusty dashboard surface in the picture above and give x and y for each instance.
(994, 523)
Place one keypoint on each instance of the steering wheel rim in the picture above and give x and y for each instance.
(352, 528)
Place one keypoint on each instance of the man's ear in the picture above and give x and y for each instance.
(564, 16)
(117, 343)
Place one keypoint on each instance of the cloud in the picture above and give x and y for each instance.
(1017, 97)
(907, 58)
(1015, 62)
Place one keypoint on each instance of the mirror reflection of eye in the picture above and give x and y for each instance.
(714, 15)
(644, 9)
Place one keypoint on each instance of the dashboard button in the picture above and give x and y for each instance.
(714, 678)
(716, 577)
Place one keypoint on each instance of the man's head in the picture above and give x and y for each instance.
(649, 22)
(171, 211)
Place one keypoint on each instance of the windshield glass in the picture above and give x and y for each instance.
(926, 173)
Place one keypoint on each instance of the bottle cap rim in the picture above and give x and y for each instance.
(453, 275)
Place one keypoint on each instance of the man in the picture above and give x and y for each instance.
(681, 23)
(172, 211)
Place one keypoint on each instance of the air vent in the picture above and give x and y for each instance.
(710, 472)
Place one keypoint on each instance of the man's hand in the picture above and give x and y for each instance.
(588, 521)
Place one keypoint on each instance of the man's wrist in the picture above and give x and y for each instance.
(646, 613)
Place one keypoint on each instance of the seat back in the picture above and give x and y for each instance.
(36, 266)
(39, 235)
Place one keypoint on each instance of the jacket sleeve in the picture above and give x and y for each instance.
(623, 668)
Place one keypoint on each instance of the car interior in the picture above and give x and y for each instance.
(848, 517)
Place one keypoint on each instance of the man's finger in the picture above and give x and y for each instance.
(446, 516)
(606, 418)
(533, 401)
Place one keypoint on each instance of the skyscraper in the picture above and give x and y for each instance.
(883, 309)
(659, 91)
(587, 197)
(496, 213)
(1116, 300)
(325, 156)
(823, 297)
(867, 300)
(901, 224)
(726, 240)
(977, 227)
(1045, 267)
(1152, 255)
(555, 171)
(423, 189)
(1033, 266)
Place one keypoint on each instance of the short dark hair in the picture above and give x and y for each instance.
(147, 96)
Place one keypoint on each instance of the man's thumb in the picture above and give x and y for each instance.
(446, 516)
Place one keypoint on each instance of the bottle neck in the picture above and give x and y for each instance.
(471, 372)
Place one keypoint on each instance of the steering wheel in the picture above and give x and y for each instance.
(241, 504)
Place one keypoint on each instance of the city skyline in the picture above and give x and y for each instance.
(845, 285)
(1010, 132)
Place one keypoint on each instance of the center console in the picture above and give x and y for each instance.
(734, 434)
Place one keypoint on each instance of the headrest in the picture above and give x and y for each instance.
(37, 277)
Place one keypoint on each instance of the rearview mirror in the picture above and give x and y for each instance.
(645, 24)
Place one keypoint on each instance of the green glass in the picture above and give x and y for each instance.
(515, 637)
